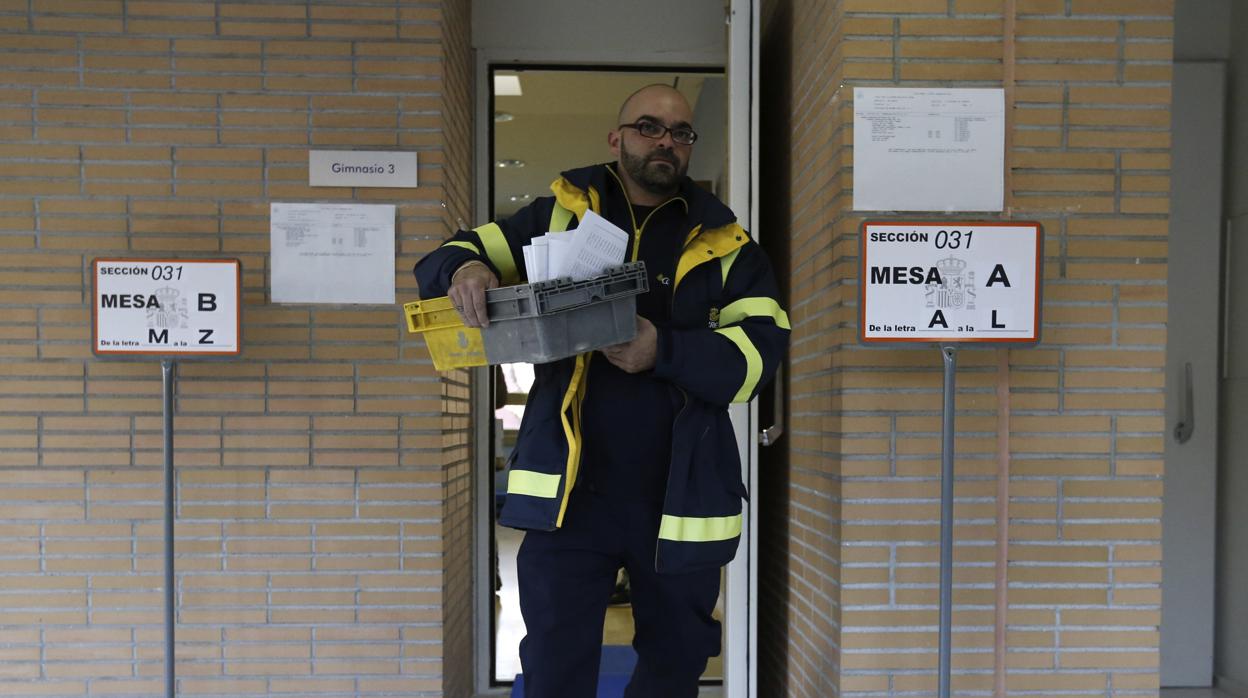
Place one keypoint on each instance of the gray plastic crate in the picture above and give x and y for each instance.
(550, 320)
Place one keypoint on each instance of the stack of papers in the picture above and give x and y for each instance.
(578, 254)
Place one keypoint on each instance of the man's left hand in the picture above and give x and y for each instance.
(637, 354)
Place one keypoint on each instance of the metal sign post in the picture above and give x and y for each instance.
(948, 283)
(167, 373)
(167, 308)
(950, 355)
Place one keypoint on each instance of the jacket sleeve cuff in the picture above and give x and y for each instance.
(433, 273)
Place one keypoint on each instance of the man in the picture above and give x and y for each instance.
(626, 457)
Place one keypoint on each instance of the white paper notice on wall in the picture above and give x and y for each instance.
(332, 253)
(929, 149)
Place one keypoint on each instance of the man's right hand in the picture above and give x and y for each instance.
(468, 286)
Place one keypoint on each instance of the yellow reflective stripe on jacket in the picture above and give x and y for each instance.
(699, 529)
(753, 361)
(533, 484)
(499, 252)
(725, 264)
(572, 427)
(758, 306)
(560, 217)
(464, 244)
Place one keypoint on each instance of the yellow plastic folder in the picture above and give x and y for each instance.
(450, 343)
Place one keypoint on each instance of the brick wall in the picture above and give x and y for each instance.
(324, 518)
(1090, 160)
(457, 516)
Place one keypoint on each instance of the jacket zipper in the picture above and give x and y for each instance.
(638, 230)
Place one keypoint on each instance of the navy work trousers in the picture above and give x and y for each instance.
(566, 580)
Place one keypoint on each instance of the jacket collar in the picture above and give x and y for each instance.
(581, 188)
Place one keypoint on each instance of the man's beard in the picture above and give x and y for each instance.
(655, 179)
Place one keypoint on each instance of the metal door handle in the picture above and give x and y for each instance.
(769, 435)
(1187, 421)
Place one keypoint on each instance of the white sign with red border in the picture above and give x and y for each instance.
(950, 282)
(166, 306)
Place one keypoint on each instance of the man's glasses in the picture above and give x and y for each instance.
(681, 134)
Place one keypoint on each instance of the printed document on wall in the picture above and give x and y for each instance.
(332, 253)
(929, 149)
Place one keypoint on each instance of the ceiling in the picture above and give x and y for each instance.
(560, 122)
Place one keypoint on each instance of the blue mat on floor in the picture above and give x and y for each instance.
(617, 660)
(617, 666)
(608, 687)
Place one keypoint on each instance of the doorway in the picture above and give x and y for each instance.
(547, 119)
(694, 36)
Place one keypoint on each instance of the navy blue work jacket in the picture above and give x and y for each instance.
(726, 336)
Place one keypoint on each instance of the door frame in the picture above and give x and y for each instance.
(1189, 516)
(741, 587)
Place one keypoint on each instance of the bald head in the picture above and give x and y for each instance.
(650, 96)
